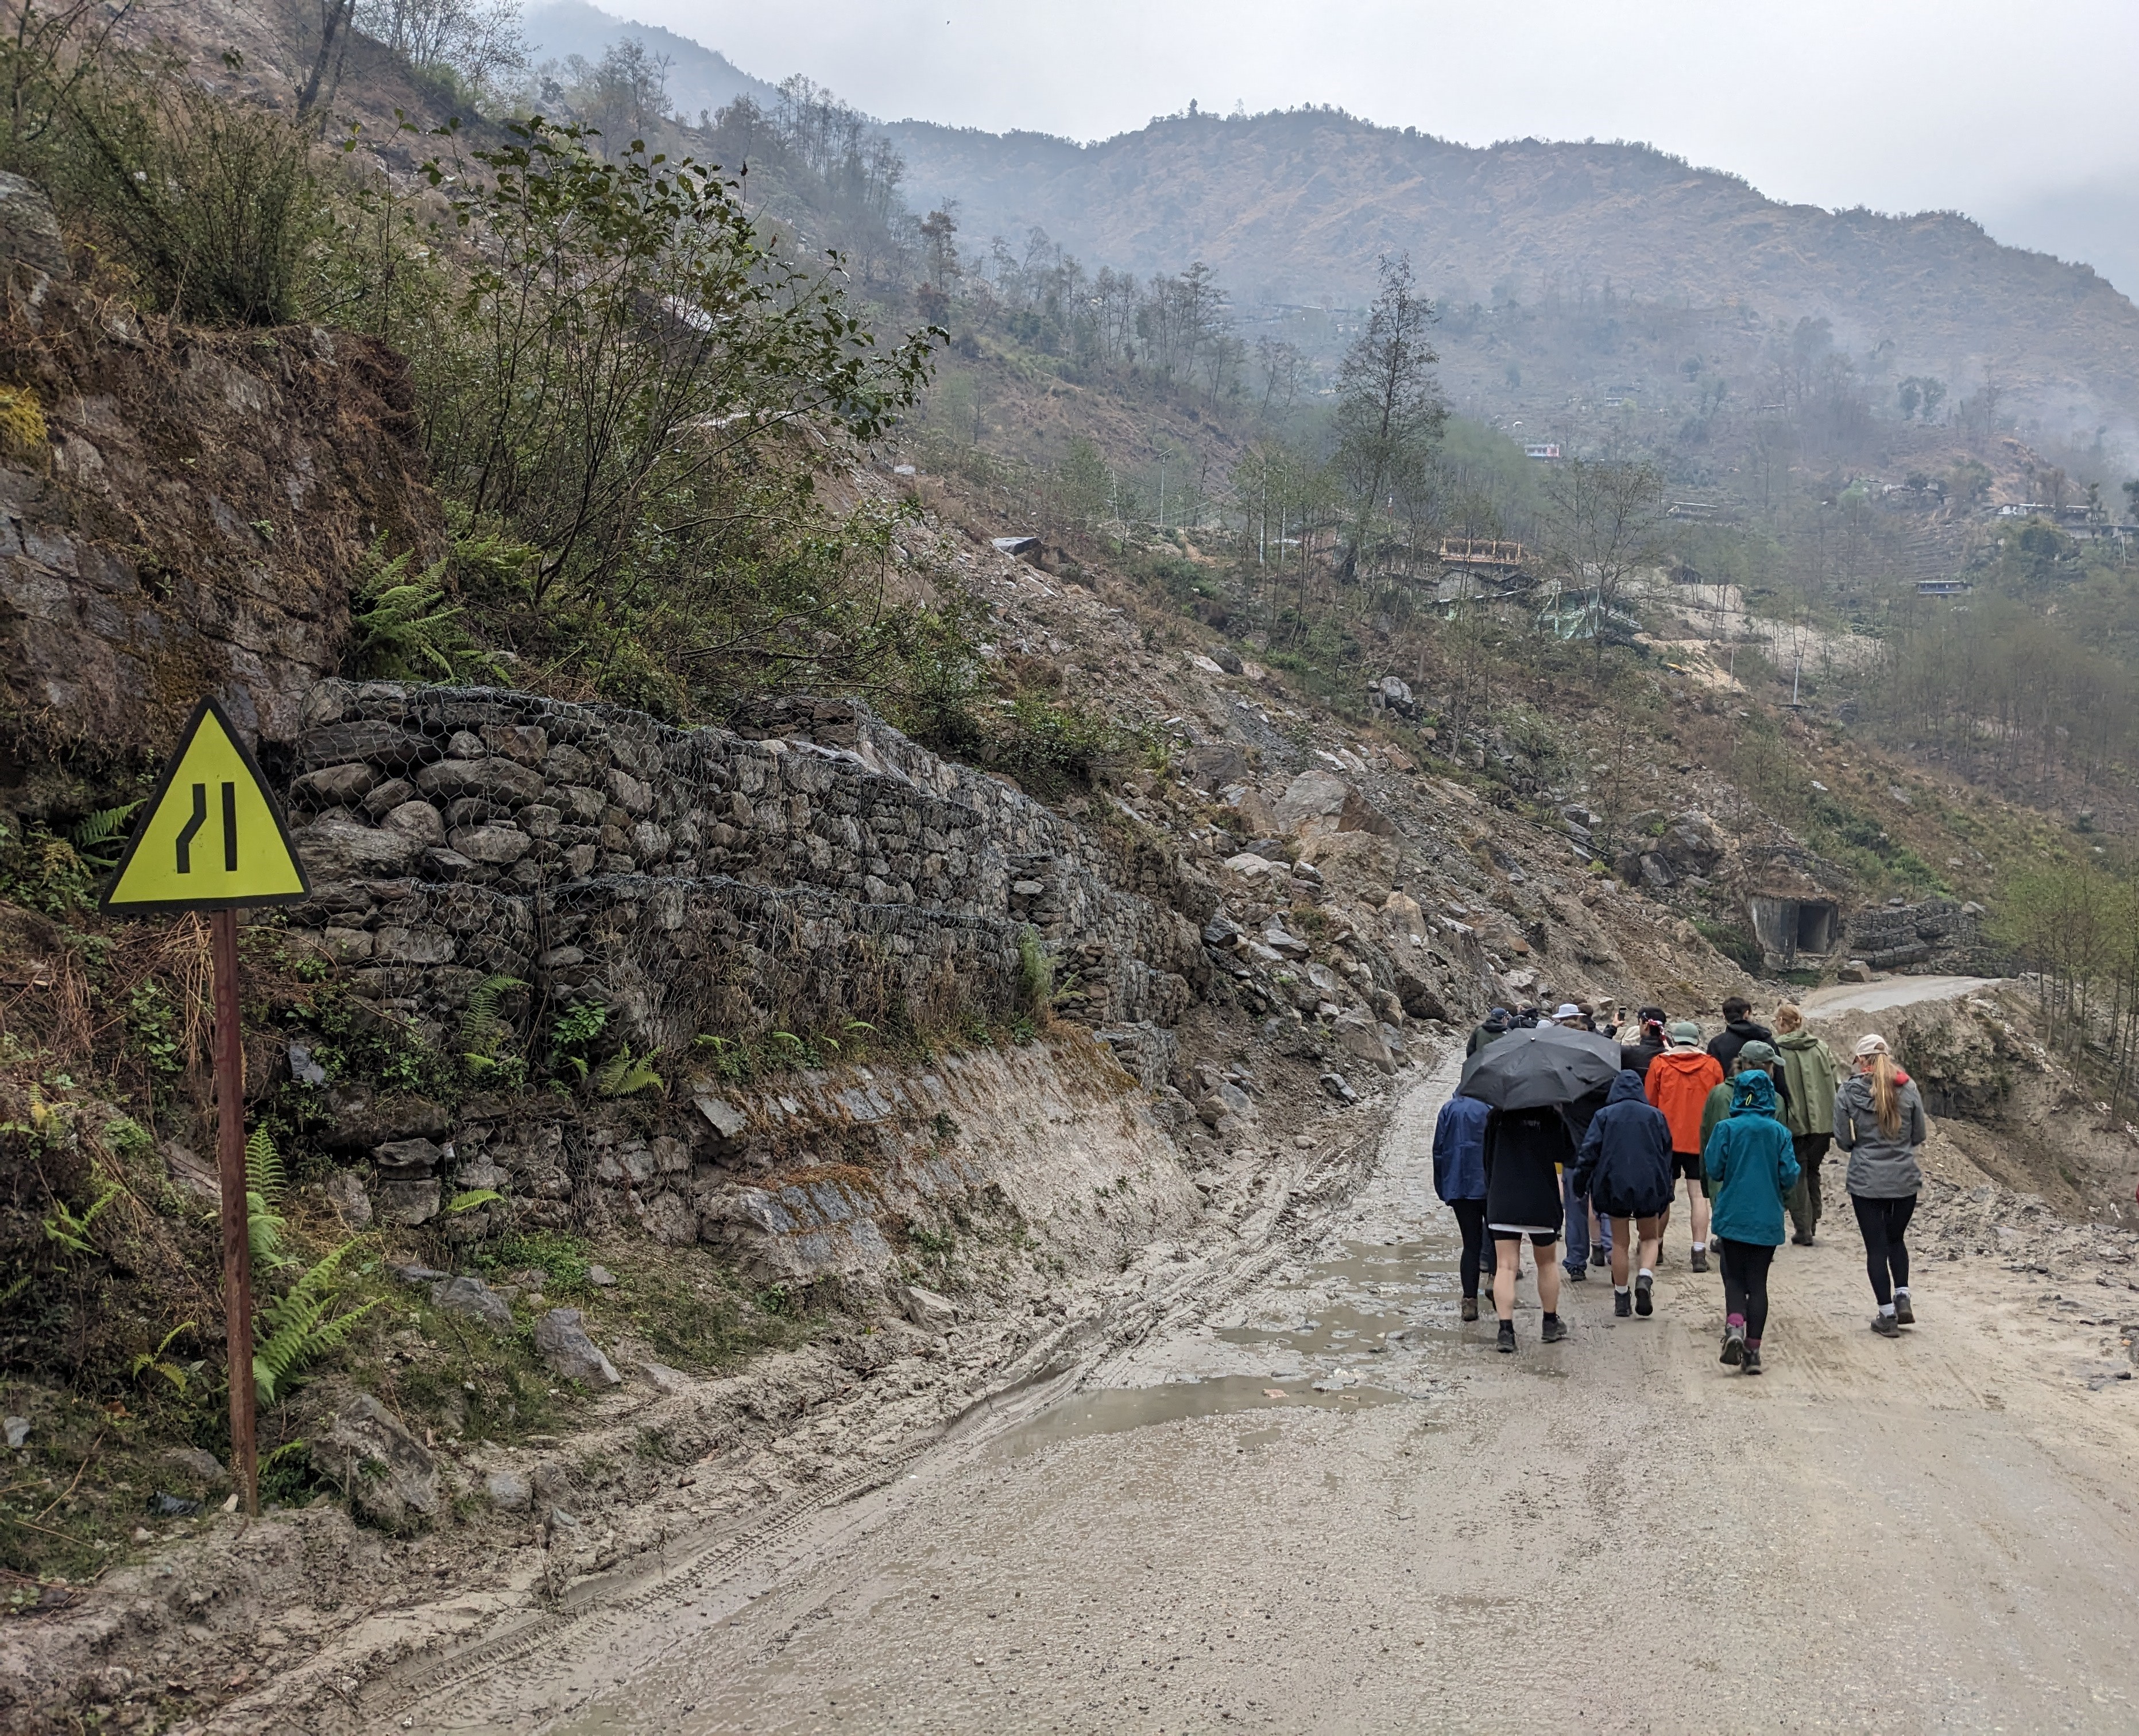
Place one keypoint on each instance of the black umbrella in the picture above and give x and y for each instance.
(1543, 1067)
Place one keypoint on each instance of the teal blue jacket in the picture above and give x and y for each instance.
(1753, 1164)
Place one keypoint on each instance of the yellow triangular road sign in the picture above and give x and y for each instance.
(214, 837)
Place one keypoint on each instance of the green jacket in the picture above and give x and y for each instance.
(1813, 1076)
(1717, 1108)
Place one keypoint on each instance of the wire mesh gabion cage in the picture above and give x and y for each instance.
(696, 881)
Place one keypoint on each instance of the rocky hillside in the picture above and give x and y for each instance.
(1297, 207)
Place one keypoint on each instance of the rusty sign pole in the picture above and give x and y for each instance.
(213, 842)
(237, 1236)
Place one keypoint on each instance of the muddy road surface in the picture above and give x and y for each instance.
(1317, 1501)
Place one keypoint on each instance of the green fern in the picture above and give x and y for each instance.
(485, 1030)
(152, 1362)
(296, 1329)
(407, 628)
(70, 1232)
(263, 1167)
(265, 1184)
(623, 1075)
(473, 1197)
(99, 839)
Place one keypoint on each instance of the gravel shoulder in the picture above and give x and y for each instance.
(1940, 1534)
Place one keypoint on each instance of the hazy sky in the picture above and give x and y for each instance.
(2019, 115)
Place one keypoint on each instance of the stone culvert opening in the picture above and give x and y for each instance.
(1788, 929)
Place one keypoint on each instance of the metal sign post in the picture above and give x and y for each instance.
(213, 839)
(236, 1227)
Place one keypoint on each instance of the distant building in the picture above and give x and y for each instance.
(1546, 449)
(1941, 586)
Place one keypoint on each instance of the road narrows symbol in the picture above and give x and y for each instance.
(230, 829)
(194, 825)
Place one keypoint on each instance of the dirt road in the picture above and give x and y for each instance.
(1614, 1534)
(1895, 991)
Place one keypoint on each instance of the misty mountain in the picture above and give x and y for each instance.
(1296, 208)
(699, 78)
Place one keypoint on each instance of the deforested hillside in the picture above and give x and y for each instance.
(1297, 206)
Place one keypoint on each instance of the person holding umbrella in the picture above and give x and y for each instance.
(1524, 1150)
(1528, 1077)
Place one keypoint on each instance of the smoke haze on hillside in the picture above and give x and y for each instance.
(2012, 116)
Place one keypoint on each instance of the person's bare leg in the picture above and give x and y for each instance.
(1697, 1203)
(1652, 1232)
(1506, 1251)
(1622, 1248)
(1548, 1280)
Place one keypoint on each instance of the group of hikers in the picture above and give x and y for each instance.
(1745, 1121)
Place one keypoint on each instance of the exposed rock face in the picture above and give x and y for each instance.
(1320, 801)
(195, 521)
(31, 246)
(385, 1470)
(471, 1296)
(569, 1352)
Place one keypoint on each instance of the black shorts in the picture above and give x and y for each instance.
(1539, 1238)
(1686, 1164)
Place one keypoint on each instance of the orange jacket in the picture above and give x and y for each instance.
(1679, 1082)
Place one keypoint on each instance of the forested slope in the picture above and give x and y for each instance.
(1297, 206)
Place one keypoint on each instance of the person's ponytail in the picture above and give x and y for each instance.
(1887, 1094)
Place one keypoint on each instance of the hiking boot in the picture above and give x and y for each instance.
(1577, 1274)
(1752, 1359)
(1470, 1308)
(1555, 1329)
(1505, 1344)
(1801, 1241)
(1904, 1315)
(1622, 1304)
(1734, 1346)
(1644, 1303)
(1600, 1256)
(1699, 1263)
(1886, 1325)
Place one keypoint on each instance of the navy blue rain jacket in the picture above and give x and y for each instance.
(1459, 1149)
(1624, 1166)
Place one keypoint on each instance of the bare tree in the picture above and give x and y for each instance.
(478, 42)
(1605, 522)
(1283, 370)
(1389, 412)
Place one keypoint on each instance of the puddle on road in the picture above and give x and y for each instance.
(1116, 1409)
(1354, 1319)
(1370, 1313)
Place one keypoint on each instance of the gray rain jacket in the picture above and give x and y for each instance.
(1880, 1168)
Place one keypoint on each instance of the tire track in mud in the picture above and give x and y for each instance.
(398, 1694)
(595, 1619)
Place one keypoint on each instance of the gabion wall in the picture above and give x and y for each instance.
(698, 880)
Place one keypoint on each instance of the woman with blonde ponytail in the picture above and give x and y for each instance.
(1879, 1121)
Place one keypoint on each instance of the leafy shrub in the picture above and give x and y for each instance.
(212, 208)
